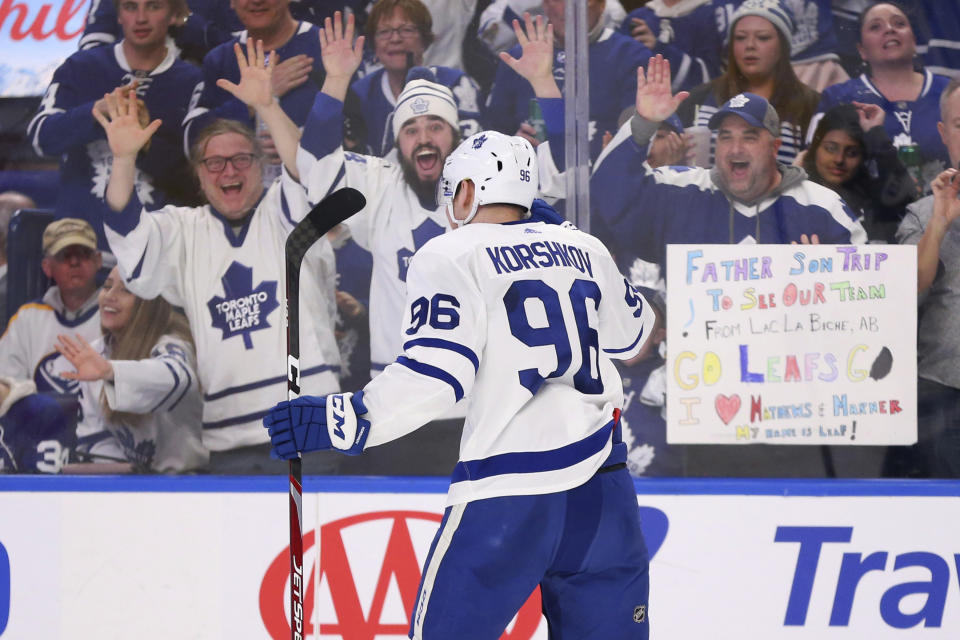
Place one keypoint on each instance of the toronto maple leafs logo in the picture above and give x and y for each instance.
(479, 140)
(738, 101)
(426, 230)
(420, 106)
(139, 452)
(242, 309)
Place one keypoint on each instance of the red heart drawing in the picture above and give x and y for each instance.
(727, 407)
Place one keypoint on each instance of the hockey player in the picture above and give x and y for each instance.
(522, 318)
(64, 125)
(27, 348)
(223, 264)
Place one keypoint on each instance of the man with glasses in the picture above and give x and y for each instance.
(296, 78)
(71, 260)
(401, 31)
(223, 264)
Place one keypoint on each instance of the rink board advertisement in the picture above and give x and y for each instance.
(791, 344)
(36, 36)
(207, 558)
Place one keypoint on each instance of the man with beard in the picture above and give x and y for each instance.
(401, 212)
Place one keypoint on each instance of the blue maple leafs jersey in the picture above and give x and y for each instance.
(35, 435)
(377, 103)
(687, 37)
(638, 210)
(614, 59)
(523, 320)
(210, 102)
(64, 126)
(210, 23)
(906, 123)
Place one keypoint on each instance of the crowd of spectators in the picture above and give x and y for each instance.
(192, 135)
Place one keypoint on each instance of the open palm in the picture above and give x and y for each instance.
(536, 43)
(255, 88)
(89, 364)
(341, 56)
(125, 134)
(655, 99)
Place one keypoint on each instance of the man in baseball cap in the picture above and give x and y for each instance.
(71, 260)
(748, 137)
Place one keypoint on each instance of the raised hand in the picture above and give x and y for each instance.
(535, 64)
(341, 56)
(89, 364)
(125, 133)
(871, 115)
(655, 99)
(255, 88)
(946, 188)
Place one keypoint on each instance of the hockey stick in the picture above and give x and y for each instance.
(331, 211)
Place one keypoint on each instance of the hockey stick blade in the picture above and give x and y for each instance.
(327, 214)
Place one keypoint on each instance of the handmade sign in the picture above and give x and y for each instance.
(791, 344)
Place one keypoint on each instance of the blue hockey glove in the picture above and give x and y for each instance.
(318, 423)
(540, 211)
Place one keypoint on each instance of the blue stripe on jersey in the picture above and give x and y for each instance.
(440, 343)
(186, 387)
(632, 345)
(266, 382)
(433, 372)
(176, 383)
(533, 461)
(79, 320)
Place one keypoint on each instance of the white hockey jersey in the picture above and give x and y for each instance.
(522, 319)
(164, 389)
(27, 347)
(230, 284)
(392, 227)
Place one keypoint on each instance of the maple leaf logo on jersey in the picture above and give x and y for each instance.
(243, 309)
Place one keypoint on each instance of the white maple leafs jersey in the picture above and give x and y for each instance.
(230, 284)
(392, 227)
(522, 319)
(164, 390)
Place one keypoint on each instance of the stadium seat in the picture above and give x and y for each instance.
(25, 278)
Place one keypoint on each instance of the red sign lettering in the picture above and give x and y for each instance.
(19, 14)
(400, 564)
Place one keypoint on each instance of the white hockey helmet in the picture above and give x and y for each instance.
(502, 168)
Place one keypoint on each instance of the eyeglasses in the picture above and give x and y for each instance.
(240, 161)
(406, 32)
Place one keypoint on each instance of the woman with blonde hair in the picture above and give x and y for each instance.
(139, 396)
